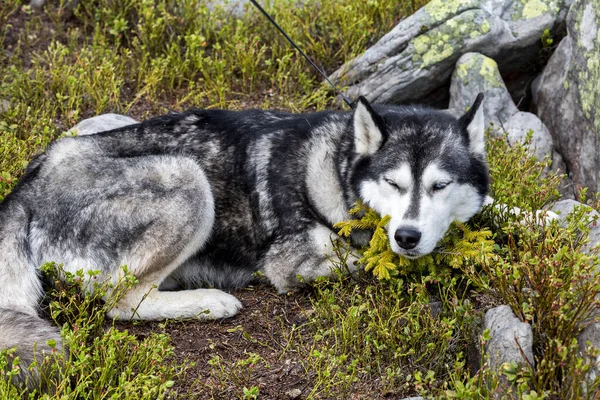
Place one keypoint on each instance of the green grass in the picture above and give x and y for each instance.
(399, 329)
(147, 57)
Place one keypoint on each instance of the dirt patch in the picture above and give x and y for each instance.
(250, 349)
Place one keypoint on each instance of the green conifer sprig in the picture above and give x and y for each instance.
(460, 245)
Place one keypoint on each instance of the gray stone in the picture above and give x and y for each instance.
(101, 123)
(39, 4)
(520, 124)
(567, 95)
(566, 207)
(293, 393)
(475, 73)
(510, 338)
(590, 336)
(416, 57)
(566, 188)
(237, 8)
(4, 105)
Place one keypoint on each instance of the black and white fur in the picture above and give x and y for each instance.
(211, 196)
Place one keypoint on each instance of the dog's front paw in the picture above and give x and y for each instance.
(218, 304)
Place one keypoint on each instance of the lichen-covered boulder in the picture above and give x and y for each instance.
(476, 73)
(511, 339)
(567, 95)
(418, 55)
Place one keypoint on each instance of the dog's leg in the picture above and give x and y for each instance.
(308, 254)
(150, 213)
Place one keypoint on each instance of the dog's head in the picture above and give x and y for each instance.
(423, 168)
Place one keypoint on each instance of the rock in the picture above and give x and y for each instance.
(237, 8)
(4, 105)
(511, 338)
(39, 4)
(435, 308)
(566, 187)
(101, 123)
(475, 73)
(519, 125)
(293, 393)
(567, 95)
(590, 336)
(413, 62)
(566, 207)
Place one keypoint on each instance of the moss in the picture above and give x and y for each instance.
(434, 56)
(462, 69)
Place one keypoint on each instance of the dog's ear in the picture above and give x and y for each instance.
(473, 122)
(368, 128)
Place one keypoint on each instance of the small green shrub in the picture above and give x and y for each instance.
(460, 245)
(100, 361)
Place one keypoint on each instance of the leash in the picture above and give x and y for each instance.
(347, 100)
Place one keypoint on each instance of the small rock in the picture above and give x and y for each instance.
(476, 73)
(293, 393)
(101, 123)
(435, 308)
(566, 207)
(511, 338)
(37, 4)
(4, 105)
(590, 334)
(519, 125)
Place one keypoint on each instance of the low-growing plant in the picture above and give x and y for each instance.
(460, 245)
(543, 270)
(98, 360)
(239, 373)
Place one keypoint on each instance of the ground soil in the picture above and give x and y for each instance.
(263, 327)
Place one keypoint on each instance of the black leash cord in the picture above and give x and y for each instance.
(347, 100)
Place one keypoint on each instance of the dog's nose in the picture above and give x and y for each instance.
(407, 238)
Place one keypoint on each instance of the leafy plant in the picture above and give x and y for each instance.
(460, 245)
(99, 361)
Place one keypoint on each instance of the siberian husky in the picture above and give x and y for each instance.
(208, 197)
